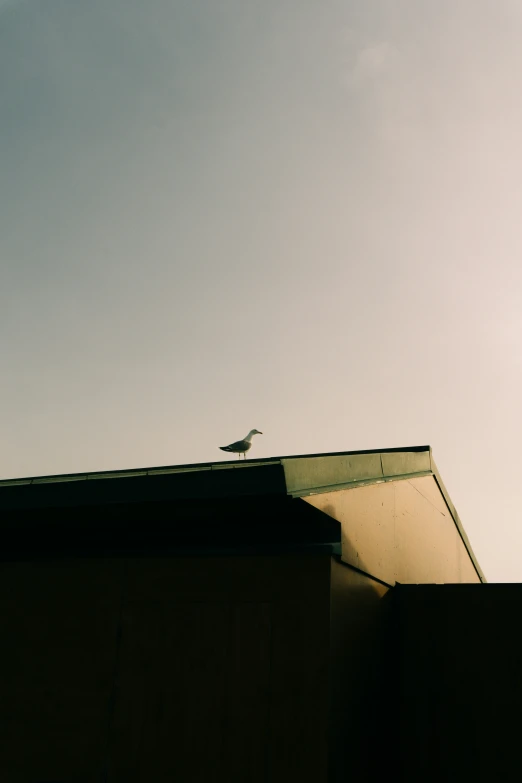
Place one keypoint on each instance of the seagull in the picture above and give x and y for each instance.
(241, 446)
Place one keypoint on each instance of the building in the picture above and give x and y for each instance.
(267, 620)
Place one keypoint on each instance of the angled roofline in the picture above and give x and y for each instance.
(192, 467)
(294, 475)
(456, 518)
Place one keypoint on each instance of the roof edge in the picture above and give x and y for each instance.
(456, 519)
(193, 466)
(303, 493)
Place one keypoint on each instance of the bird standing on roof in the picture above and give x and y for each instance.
(241, 446)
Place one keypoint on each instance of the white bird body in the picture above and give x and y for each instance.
(241, 446)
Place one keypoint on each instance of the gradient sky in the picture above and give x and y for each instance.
(299, 216)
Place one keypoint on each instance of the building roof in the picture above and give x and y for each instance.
(302, 473)
(200, 490)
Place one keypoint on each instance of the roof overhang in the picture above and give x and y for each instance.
(204, 504)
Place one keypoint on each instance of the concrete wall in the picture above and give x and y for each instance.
(399, 531)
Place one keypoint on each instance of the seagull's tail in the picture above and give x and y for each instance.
(225, 448)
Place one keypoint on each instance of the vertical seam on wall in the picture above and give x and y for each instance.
(268, 735)
(114, 688)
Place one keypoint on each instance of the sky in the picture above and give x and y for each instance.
(290, 215)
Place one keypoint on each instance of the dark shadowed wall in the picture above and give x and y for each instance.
(458, 685)
(161, 669)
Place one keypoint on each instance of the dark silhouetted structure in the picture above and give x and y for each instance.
(252, 621)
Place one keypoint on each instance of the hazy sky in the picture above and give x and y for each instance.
(301, 216)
